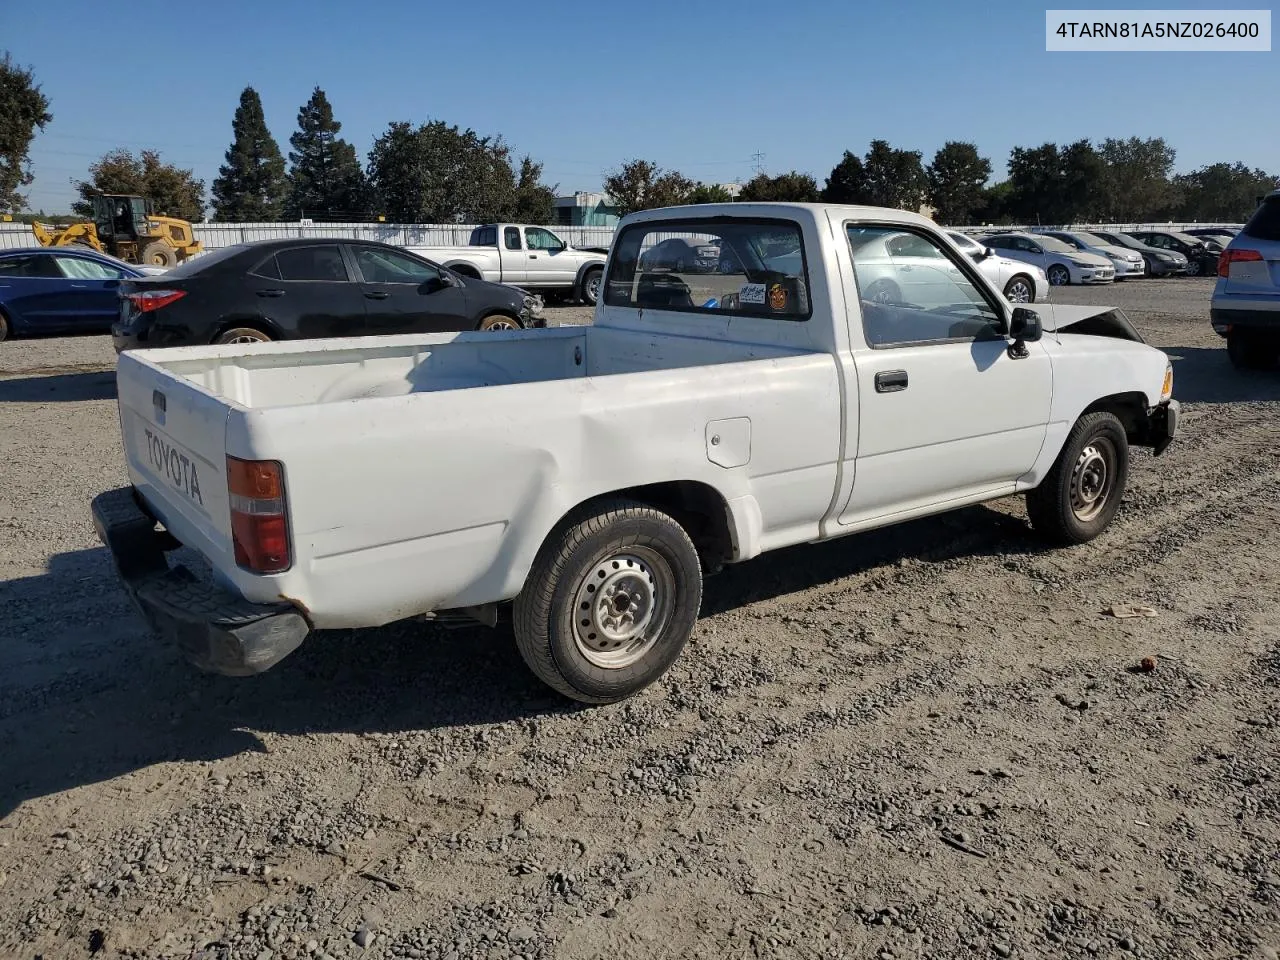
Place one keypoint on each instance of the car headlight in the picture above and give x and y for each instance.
(1166, 391)
(1081, 263)
(1166, 257)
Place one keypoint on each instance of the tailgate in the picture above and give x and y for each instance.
(175, 439)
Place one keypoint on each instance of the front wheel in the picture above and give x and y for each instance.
(610, 602)
(1082, 492)
(1020, 290)
(157, 254)
(499, 321)
(591, 286)
(1059, 276)
(1251, 352)
(1194, 267)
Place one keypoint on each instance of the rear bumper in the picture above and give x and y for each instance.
(1259, 317)
(217, 631)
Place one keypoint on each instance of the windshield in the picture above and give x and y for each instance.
(1054, 244)
(201, 261)
(1186, 238)
(967, 243)
(1093, 240)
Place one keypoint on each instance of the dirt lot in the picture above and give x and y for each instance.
(926, 741)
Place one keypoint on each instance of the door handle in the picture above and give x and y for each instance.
(533, 256)
(891, 381)
(79, 286)
(376, 295)
(270, 293)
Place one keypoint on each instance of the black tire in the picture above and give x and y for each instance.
(590, 291)
(1251, 352)
(1023, 281)
(1194, 267)
(1061, 508)
(243, 335)
(1059, 276)
(637, 555)
(499, 321)
(157, 254)
(883, 291)
(4, 327)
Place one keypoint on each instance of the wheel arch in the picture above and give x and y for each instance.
(1130, 408)
(585, 269)
(256, 321)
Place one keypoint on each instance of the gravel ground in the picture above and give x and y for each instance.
(926, 741)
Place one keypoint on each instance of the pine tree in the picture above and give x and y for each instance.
(325, 179)
(251, 185)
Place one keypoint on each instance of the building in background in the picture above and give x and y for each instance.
(585, 210)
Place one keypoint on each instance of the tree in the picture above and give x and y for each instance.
(1049, 184)
(251, 185)
(23, 111)
(847, 182)
(790, 187)
(895, 178)
(708, 193)
(436, 173)
(1223, 192)
(535, 201)
(993, 207)
(325, 179)
(957, 178)
(641, 185)
(173, 191)
(1137, 183)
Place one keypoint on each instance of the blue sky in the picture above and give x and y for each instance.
(698, 87)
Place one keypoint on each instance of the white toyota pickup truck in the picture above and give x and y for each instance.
(530, 257)
(590, 476)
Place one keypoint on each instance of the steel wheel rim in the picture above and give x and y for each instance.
(1059, 276)
(502, 324)
(1019, 292)
(621, 607)
(593, 287)
(1092, 479)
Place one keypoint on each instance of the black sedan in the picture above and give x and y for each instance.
(1201, 260)
(304, 289)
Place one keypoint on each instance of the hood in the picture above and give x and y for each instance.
(1093, 259)
(1123, 252)
(1091, 320)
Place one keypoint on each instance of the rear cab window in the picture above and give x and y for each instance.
(484, 237)
(720, 266)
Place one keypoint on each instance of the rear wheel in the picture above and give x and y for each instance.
(1020, 290)
(1249, 351)
(610, 602)
(4, 327)
(157, 254)
(1058, 275)
(499, 321)
(243, 335)
(591, 286)
(1194, 267)
(1082, 492)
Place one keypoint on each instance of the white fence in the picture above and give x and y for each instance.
(215, 235)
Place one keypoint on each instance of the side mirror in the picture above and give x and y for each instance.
(448, 279)
(988, 252)
(1024, 328)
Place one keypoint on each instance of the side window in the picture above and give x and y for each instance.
(998, 243)
(511, 238)
(383, 266)
(730, 267)
(322, 262)
(267, 269)
(916, 299)
(539, 239)
(77, 268)
(484, 237)
(36, 266)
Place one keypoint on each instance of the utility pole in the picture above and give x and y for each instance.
(757, 163)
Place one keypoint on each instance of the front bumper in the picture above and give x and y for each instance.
(1162, 426)
(1163, 268)
(217, 631)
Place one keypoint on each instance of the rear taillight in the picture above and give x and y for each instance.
(259, 524)
(1229, 256)
(149, 300)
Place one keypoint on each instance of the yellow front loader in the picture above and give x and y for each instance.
(125, 227)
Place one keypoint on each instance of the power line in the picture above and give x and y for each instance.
(757, 163)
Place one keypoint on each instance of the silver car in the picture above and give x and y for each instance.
(1246, 300)
(1061, 263)
(1021, 282)
(1128, 263)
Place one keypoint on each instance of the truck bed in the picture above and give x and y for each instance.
(334, 371)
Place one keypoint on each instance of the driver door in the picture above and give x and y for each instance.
(404, 294)
(944, 412)
(550, 263)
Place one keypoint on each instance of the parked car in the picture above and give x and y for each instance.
(1021, 282)
(305, 288)
(1160, 263)
(1220, 235)
(530, 257)
(1245, 308)
(589, 475)
(1127, 263)
(59, 290)
(1201, 261)
(682, 256)
(1061, 263)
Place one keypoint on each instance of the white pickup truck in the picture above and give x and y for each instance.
(530, 257)
(592, 475)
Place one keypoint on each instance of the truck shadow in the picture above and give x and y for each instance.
(97, 384)
(87, 695)
(1205, 375)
